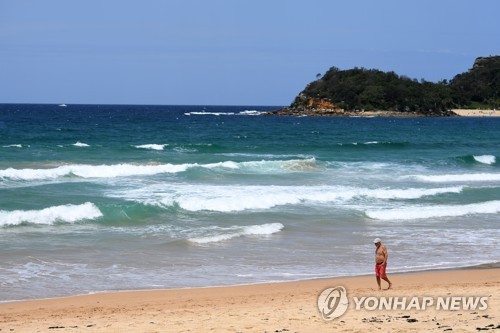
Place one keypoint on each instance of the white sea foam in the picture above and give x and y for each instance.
(240, 198)
(80, 144)
(185, 150)
(359, 143)
(124, 170)
(272, 156)
(368, 143)
(152, 146)
(65, 213)
(91, 171)
(235, 199)
(274, 166)
(226, 164)
(205, 113)
(467, 177)
(485, 159)
(13, 146)
(411, 193)
(250, 113)
(426, 212)
(260, 229)
(40, 269)
(242, 113)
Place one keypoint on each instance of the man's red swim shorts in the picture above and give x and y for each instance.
(380, 270)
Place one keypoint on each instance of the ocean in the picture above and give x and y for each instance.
(105, 198)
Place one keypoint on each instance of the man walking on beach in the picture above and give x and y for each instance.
(381, 257)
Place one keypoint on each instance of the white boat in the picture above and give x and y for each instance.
(63, 105)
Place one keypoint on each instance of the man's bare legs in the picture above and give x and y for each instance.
(386, 279)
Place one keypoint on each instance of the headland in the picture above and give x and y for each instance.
(365, 92)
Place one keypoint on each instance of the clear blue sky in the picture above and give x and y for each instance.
(227, 52)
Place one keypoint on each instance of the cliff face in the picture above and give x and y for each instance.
(321, 104)
(315, 104)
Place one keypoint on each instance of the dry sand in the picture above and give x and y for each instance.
(477, 113)
(278, 307)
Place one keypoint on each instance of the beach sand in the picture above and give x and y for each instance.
(277, 307)
(477, 113)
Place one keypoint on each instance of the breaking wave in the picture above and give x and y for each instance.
(125, 170)
(467, 177)
(152, 146)
(411, 213)
(13, 146)
(240, 198)
(375, 143)
(242, 113)
(90, 171)
(65, 213)
(80, 144)
(251, 113)
(485, 159)
(262, 229)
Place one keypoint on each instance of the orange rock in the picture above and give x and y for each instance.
(321, 104)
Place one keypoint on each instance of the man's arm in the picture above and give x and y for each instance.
(386, 256)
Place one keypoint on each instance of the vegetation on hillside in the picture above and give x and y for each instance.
(371, 89)
(480, 86)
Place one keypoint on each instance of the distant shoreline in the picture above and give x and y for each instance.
(476, 113)
(287, 111)
(380, 113)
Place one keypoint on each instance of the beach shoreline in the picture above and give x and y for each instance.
(476, 113)
(282, 306)
(491, 265)
(286, 111)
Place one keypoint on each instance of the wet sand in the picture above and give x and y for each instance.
(278, 307)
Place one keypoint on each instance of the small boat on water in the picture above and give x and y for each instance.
(63, 105)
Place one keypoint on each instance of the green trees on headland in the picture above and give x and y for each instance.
(480, 86)
(371, 89)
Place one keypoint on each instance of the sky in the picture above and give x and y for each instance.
(227, 52)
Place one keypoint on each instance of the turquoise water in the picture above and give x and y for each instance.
(97, 198)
